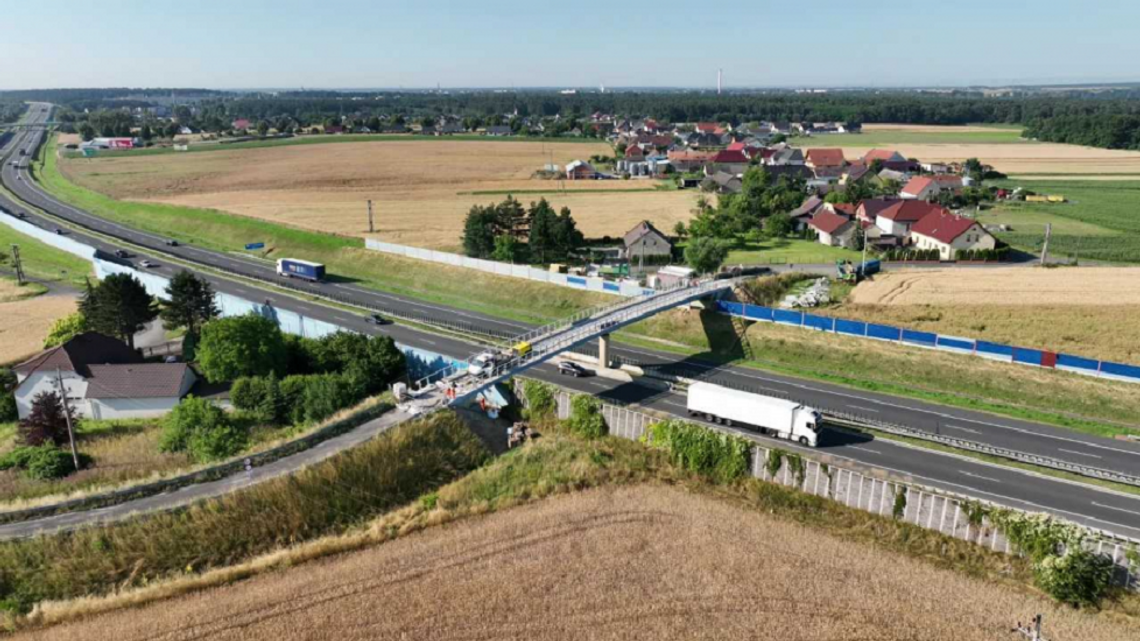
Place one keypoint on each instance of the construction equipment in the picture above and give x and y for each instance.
(850, 272)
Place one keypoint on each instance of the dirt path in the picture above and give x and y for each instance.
(633, 563)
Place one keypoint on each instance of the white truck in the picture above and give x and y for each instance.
(773, 416)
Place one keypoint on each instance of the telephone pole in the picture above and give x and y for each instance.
(67, 417)
(371, 229)
(18, 264)
(1045, 245)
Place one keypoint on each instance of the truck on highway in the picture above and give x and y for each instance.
(297, 268)
(773, 416)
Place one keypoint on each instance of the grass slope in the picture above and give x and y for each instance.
(42, 261)
(345, 257)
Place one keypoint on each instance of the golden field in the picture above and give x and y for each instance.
(421, 189)
(644, 562)
(25, 322)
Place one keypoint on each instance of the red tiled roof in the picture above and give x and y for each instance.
(947, 180)
(736, 146)
(846, 209)
(872, 206)
(942, 226)
(707, 127)
(633, 151)
(910, 211)
(828, 222)
(917, 185)
(731, 156)
(690, 154)
(826, 157)
(885, 155)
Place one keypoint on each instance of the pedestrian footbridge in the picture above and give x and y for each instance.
(457, 384)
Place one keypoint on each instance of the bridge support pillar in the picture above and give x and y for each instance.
(604, 350)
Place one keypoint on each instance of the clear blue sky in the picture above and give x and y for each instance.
(503, 43)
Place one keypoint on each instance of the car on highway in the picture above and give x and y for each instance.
(58, 231)
(147, 264)
(121, 253)
(21, 215)
(570, 368)
(377, 319)
(170, 242)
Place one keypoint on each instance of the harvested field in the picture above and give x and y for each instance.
(644, 562)
(25, 323)
(935, 129)
(422, 189)
(1019, 159)
(1087, 311)
(1003, 286)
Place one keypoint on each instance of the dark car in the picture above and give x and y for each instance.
(172, 243)
(570, 368)
(121, 253)
(21, 214)
(377, 319)
(59, 231)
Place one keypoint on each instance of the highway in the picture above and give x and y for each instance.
(1103, 509)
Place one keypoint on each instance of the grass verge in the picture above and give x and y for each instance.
(558, 462)
(42, 261)
(346, 258)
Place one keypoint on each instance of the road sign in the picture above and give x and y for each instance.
(255, 246)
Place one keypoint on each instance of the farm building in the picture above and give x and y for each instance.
(949, 233)
(890, 159)
(104, 379)
(728, 161)
(646, 241)
(825, 158)
(580, 170)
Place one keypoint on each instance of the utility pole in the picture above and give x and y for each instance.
(1045, 245)
(18, 264)
(67, 417)
(371, 228)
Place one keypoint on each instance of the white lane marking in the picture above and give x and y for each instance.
(684, 407)
(789, 383)
(978, 476)
(1109, 507)
(962, 429)
(865, 409)
(1061, 449)
(865, 449)
(430, 342)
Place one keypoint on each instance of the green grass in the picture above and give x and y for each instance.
(345, 257)
(998, 135)
(1099, 222)
(787, 250)
(42, 261)
(322, 139)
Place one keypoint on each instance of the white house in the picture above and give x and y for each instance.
(835, 230)
(897, 219)
(103, 378)
(949, 233)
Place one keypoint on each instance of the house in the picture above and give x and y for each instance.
(240, 123)
(786, 156)
(893, 175)
(869, 209)
(835, 230)
(825, 158)
(103, 378)
(707, 127)
(889, 158)
(646, 241)
(732, 162)
(950, 234)
(634, 153)
(791, 171)
(855, 174)
(497, 130)
(802, 215)
(926, 187)
(689, 159)
(936, 167)
(334, 129)
(897, 219)
(705, 140)
(580, 170)
(722, 182)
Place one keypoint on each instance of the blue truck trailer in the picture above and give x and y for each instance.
(296, 268)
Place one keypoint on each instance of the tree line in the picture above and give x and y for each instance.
(509, 233)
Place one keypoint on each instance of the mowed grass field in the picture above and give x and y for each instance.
(1086, 311)
(421, 189)
(999, 146)
(649, 562)
(1099, 221)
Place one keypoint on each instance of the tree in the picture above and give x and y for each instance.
(191, 303)
(46, 423)
(262, 127)
(119, 306)
(480, 229)
(679, 229)
(201, 428)
(543, 222)
(508, 249)
(565, 235)
(705, 254)
(64, 329)
(778, 225)
(87, 132)
(249, 345)
(8, 395)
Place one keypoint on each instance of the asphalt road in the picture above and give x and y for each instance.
(1102, 509)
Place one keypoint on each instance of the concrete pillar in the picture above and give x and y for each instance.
(604, 350)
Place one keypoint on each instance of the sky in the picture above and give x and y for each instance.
(249, 44)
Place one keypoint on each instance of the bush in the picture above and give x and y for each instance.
(722, 457)
(201, 428)
(540, 401)
(260, 397)
(249, 345)
(1077, 577)
(8, 396)
(586, 418)
(42, 462)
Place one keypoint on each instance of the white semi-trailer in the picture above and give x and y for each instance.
(774, 416)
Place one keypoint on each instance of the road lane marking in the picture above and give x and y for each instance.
(864, 449)
(962, 429)
(978, 476)
(1118, 509)
(865, 409)
(1061, 449)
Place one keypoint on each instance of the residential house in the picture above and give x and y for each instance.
(241, 123)
(936, 167)
(580, 170)
(786, 156)
(825, 158)
(685, 160)
(645, 241)
(950, 234)
(900, 177)
(498, 130)
(835, 230)
(802, 215)
(732, 162)
(897, 219)
(927, 187)
(889, 158)
(868, 210)
(855, 174)
(634, 153)
(334, 129)
(103, 379)
(705, 140)
(799, 172)
(722, 182)
(707, 127)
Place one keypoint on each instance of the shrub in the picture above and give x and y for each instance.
(722, 457)
(260, 397)
(586, 418)
(249, 345)
(539, 399)
(201, 428)
(1077, 577)
(47, 422)
(42, 462)
(899, 509)
(326, 394)
(7, 396)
